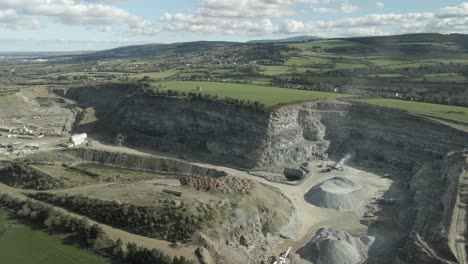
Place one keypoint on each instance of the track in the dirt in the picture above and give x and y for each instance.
(461, 221)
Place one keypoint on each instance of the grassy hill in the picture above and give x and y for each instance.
(291, 39)
(419, 67)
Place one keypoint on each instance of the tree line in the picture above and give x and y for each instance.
(256, 106)
(168, 220)
(87, 235)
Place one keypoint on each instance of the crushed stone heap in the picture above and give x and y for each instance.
(330, 246)
(337, 193)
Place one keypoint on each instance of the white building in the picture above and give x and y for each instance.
(78, 139)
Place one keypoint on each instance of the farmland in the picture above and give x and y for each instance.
(424, 67)
(26, 244)
(436, 110)
(193, 152)
(267, 95)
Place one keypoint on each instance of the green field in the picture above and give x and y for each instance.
(280, 70)
(436, 110)
(156, 75)
(23, 244)
(269, 96)
(74, 177)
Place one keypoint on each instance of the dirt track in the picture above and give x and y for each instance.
(115, 234)
(311, 217)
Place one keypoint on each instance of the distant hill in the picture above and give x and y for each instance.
(274, 50)
(155, 50)
(292, 39)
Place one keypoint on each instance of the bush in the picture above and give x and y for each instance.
(166, 220)
(91, 235)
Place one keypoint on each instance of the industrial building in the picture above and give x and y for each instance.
(78, 139)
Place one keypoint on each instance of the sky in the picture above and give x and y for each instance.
(78, 25)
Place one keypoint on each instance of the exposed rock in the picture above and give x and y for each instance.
(294, 174)
(385, 137)
(208, 129)
(120, 139)
(269, 175)
(307, 166)
(367, 240)
(204, 256)
(290, 135)
(225, 184)
(138, 162)
(435, 233)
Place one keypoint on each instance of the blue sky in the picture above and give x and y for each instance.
(69, 25)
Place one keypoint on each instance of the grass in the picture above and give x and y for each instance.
(305, 61)
(324, 44)
(23, 244)
(445, 77)
(156, 75)
(269, 96)
(120, 173)
(388, 75)
(280, 70)
(106, 174)
(435, 110)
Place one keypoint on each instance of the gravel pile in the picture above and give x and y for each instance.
(337, 193)
(330, 246)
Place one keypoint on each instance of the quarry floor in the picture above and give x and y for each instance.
(311, 217)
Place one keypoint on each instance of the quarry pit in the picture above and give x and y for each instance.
(400, 197)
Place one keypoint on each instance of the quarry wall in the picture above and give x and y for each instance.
(292, 134)
(139, 162)
(285, 136)
(382, 136)
(211, 130)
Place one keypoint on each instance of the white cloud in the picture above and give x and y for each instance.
(249, 8)
(455, 11)
(346, 7)
(324, 10)
(370, 24)
(29, 13)
(240, 17)
(10, 19)
(445, 20)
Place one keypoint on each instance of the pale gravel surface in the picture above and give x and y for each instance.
(338, 193)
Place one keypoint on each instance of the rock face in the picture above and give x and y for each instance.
(365, 131)
(211, 130)
(130, 161)
(102, 96)
(439, 192)
(224, 185)
(287, 135)
(330, 246)
(294, 134)
(222, 133)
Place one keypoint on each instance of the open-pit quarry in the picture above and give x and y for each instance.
(337, 182)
